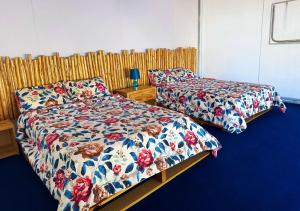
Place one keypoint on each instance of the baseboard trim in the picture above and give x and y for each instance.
(290, 100)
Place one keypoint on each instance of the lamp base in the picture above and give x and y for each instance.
(135, 84)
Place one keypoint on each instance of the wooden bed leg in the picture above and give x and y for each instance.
(162, 176)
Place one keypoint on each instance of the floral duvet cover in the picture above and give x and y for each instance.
(224, 103)
(87, 150)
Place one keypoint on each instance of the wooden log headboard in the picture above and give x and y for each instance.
(16, 73)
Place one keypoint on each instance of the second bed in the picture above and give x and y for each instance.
(225, 104)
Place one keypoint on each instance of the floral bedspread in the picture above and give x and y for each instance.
(223, 103)
(87, 150)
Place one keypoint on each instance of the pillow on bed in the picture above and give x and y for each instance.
(162, 76)
(86, 88)
(41, 96)
(184, 74)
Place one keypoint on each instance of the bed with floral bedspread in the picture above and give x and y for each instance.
(88, 150)
(224, 103)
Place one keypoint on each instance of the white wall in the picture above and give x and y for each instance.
(234, 34)
(68, 26)
(230, 39)
(235, 46)
(280, 64)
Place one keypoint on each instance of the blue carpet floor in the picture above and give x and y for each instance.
(256, 170)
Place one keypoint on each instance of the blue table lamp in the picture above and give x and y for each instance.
(134, 76)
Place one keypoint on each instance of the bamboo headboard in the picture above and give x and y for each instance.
(16, 73)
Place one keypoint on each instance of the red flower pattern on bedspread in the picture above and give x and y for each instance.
(201, 94)
(114, 136)
(81, 118)
(145, 158)
(190, 138)
(32, 120)
(172, 145)
(59, 90)
(164, 119)
(50, 138)
(87, 150)
(111, 120)
(153, 109)
(81, 189)
(35, 93)
(167, 72)
(59, 179)
(255, 103)
(182, 99)
(100, 87)
(218, 111)
(282, 109)
(117, 169)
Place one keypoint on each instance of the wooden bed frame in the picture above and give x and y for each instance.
(128, 197)
(202, 122)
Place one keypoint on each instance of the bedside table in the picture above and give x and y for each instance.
(8, 144)
(145, 94)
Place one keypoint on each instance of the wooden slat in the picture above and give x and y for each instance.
(17, 73)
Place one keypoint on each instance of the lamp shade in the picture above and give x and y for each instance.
(134, 74)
